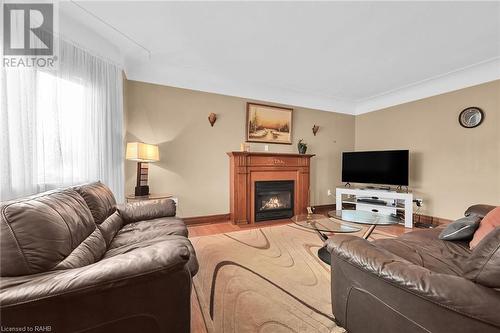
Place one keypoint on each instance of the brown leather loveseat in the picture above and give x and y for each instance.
(416, 283)
(73, 262)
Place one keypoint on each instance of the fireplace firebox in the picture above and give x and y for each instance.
(273, 200)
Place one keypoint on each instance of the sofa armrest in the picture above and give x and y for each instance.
(442, 290)
(147, 210)
(146, 288)
(479, 210)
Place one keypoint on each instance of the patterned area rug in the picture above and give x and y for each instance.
(265, 280)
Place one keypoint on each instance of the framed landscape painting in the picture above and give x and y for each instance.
(269, 124)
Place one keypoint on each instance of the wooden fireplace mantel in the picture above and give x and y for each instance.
(248, 167)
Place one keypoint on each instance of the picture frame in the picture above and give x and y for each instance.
(269, 124)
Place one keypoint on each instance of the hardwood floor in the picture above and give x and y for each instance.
(197, 322)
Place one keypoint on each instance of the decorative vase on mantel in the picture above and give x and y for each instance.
(302, 147)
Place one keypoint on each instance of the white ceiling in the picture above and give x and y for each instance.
(350, 57)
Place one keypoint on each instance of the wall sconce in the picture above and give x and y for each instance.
(315, 129)
(212, 118)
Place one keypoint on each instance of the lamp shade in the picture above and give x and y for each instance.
(142, 152)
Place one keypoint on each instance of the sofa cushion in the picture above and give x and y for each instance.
(166, 240)
(483, 265)
(137, 232)
(99, 198)
(147, 210)
(423, 248)
(461, 229)
(111, 226)
(488, 223)
(88, 252)
(40, 231)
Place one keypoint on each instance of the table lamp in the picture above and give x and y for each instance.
(143, 153)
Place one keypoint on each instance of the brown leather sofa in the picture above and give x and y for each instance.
(416, 283)
(71, 261)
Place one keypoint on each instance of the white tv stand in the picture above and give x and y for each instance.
(402, 201)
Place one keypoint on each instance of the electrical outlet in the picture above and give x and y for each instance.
(329, 192)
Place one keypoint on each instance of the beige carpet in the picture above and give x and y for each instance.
(264, 280)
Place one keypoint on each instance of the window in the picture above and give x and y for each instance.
(61, 128)
(61, 131)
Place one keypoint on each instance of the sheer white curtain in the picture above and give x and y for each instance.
(64, 127)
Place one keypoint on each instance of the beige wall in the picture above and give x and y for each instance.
(194, 165)
(451, 167)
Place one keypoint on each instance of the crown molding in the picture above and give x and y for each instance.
(483, 72)
(191, 78)
(200, 80)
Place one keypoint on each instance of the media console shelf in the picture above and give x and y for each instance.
(392, 201)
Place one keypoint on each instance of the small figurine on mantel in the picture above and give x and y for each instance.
(302, 146)
(245, 147)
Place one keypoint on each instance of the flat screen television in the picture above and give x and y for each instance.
(390, 167)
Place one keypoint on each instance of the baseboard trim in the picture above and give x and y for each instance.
(429, 220)
(326, 206)
(218, 218)
(318, 209)
(207, 219)
(323, 209)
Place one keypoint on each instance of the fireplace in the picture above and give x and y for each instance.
(274, 200)
(248, 168)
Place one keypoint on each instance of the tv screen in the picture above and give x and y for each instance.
(376, 167)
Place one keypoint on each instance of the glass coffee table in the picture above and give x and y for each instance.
(323, 226)
(364, 217)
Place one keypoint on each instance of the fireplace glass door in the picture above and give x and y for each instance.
(273, 200)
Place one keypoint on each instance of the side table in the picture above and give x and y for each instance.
(152, 196)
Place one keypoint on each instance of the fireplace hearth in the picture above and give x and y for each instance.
(274, 200)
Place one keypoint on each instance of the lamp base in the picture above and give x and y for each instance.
(141, 190)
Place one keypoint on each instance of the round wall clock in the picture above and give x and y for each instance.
(471, 117)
